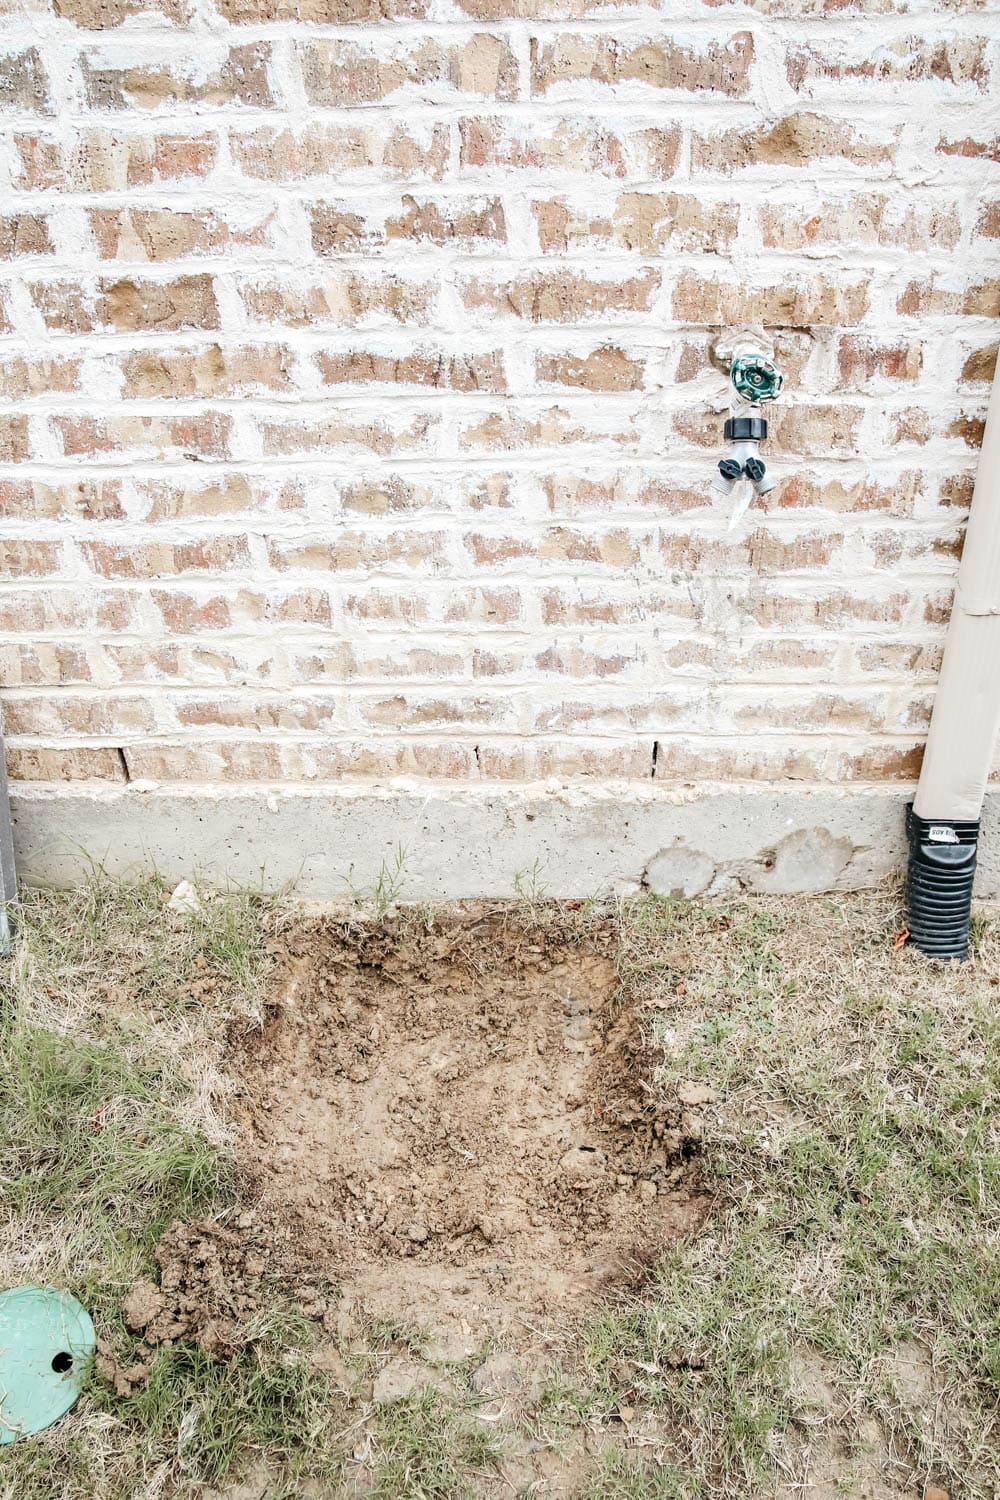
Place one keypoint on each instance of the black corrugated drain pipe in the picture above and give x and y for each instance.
(943, 822)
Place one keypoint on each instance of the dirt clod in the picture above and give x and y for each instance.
(211, 1285)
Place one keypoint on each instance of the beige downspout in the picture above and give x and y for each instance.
(964, 725)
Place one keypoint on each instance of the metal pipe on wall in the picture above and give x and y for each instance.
(943, 824)
(8, 879)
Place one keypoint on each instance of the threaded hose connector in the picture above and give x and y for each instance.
(939, 879)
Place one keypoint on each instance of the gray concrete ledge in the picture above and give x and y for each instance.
(460, 841)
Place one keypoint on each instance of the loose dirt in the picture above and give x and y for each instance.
(455, 1130)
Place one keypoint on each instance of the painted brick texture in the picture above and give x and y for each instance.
(360, 387)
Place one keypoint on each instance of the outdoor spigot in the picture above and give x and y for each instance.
(754, 379)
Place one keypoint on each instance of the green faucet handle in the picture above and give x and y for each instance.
(756, 378)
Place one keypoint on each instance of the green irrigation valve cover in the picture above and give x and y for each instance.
(756, 378)
(46, 1344)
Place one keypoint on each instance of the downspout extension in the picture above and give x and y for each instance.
(939, 878)
(943, 822)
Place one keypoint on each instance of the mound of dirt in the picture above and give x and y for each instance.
(211, 1284)
(456, 1126)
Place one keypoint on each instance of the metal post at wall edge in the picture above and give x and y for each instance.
(8, 878)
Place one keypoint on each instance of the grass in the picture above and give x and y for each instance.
(110, 1016)
(425, 1447)
(854, 1145)
(833, 1324)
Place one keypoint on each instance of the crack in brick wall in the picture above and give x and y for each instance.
(359, 390)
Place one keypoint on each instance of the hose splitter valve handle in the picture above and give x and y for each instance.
(754, 379)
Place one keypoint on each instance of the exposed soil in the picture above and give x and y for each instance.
(451, 1129)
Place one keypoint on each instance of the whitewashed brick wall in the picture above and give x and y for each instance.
(359, 398)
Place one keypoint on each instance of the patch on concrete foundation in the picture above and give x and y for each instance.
(809, 860)
(679, 871)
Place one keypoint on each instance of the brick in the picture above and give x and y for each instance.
(605, 369)
(330, 151)
(22, 376)
(67, 763)
(127, 305)
(814, 300)
(99, 160)
(897, 497)
(956, 490)
(953, 61)
(342, 299)
(538, 759)
(15, 441)
(28, 559)
(154, 234)
(416, 711)
(980, 365)
(338, 230)
(866, 219)
(213, 371)
(910, 425)
(978, 299)
(44, 664)
(99, 15)
(205, 435)
(321, 12)
(347, 434)
(183, 613)
(68, 713)
(988, 223)
(646, 222)
(972, 147)
(257, 713)
(392, 493)
(903, 658)
(833, 610)
(568, 146)
(721, 66)
(798, 140)
(24, 234)
(356, 549)
(339, 73)
(41, 161)
(84, 499)
(562, 296)
(864, 362)
(457, 372)
(23, 84)
(156, 559)
(552, 426)
(240, 78)
(163, 306)
(543, 10)
(968, 428)
(600, 605)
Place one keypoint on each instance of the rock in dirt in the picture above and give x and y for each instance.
(935, 1492)
(399, 1379)
(184, 897)
(694, 1095)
